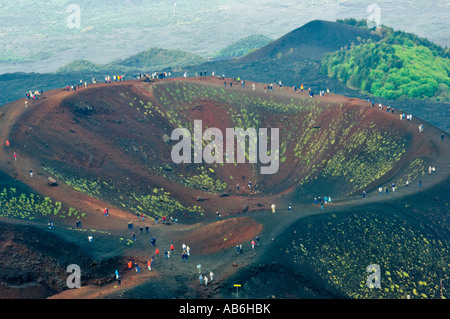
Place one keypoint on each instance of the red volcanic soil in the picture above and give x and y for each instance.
(245, 215)
(221, 235)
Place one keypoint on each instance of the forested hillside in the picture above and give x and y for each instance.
(399, 66)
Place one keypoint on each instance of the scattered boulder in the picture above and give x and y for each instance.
(52, 182)
(166, 139)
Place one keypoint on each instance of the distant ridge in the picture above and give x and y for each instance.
(150, 60)
(157, 58)
(311, 41)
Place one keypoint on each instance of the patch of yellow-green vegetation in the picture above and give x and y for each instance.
(412, 259)
(176, 118)
(31, 206)
(148, 109)
(283, 147)
(311, 146)
(90, 231)
(128, 241)
(203, 181)
(357, 154)
(415, 169)
(151, 110)
(93, 188)
(245, 119)
(367, 157)
(188, 94)
(155, 202)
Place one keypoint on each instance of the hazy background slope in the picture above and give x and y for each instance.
(35, 36)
